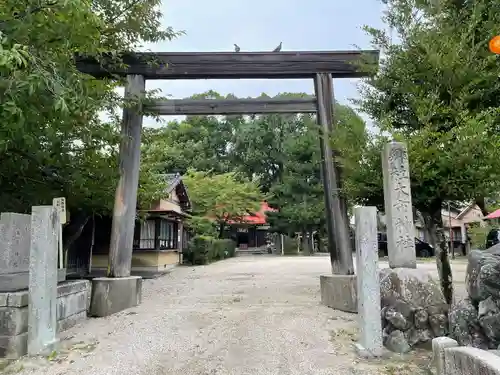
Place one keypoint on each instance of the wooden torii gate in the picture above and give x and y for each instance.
(322, 67)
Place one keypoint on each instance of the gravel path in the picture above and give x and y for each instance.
(247, 315)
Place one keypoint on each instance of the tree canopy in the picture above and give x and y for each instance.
(53, 140)
(437, 90)
(223, 197)
(279, 152)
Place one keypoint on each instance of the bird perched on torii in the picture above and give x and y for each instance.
(237, 48)
(277, 49)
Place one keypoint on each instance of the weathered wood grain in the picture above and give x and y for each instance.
(231, 106)
(234, 65)
(337, 227)
(124, 211)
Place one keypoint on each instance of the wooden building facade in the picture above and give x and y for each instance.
(159, 237)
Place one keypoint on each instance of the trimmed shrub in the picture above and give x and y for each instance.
(198, 249)
(223, 249)
(290, 245)
(478, 236)
(206, 249)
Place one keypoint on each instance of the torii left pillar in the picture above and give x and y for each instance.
(119, 290)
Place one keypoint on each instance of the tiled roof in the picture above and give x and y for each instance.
(171, 179)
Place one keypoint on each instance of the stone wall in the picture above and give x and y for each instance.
(451, 359)
(475, 320)
(73, 299)
(414, 310)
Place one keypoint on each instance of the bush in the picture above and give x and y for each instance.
(478, 235)
(290, 245)
(206, 249)
(222, 249)
(198, 249)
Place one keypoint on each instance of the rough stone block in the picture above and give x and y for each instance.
(439, 344)
(467, 361)
(12, 282)
(70, 321)
(13, 347)
(111, 295)
(339, 292)
(415, 286)
(13, 320)
(18, 299)
(71, 304)
(73, 286)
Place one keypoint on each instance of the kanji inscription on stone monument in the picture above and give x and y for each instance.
(398, 206)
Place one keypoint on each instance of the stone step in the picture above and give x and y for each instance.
(251, 251)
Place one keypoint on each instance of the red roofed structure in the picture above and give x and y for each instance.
(493, 215)
(258, 218)
(251, 231)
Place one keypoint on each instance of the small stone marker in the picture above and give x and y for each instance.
(368, 284)
(42, 303)
(398, 207)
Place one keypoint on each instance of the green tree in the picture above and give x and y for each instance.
(257, 149)
(202, 143)
(299, 194)
(222, 197)
(437, 90)
(281, 152)
(52, 139)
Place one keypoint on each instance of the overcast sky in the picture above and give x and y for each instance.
(260, 25)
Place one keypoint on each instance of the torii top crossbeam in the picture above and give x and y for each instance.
(236, 65)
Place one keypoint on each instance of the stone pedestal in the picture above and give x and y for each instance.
(12, 282)
(15, 239)
(111, 295)
(73, 298)
(339, 292)
(398, 207)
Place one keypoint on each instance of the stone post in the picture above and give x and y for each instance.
(42, 302)
(398, 207)
(368, 283)
(439, 344)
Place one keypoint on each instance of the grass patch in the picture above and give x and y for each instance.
(84, 347)
(342, 333)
